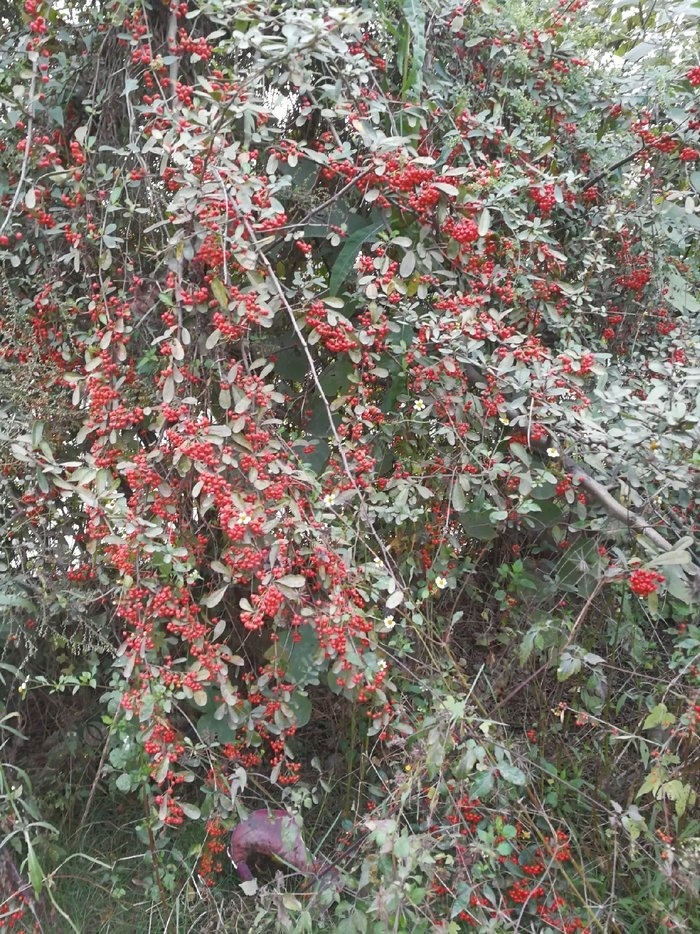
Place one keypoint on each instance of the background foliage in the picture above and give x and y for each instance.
(349, 463)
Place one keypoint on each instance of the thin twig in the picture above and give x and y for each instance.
(334, 197)
(579, 619)
(27, 147)
(364, 511)
(154, 855)
(100, 765)
(175, 61)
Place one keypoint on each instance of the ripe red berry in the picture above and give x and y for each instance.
(644, 583)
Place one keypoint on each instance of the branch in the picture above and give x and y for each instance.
(171, 40)
(28, 144)
(364, 511)
(603, 496)
(329, 201)
(613, 507)
(611, 168)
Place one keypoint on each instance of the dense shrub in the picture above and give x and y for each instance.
(350, 460)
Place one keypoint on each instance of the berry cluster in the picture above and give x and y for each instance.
(544, 198)
(644, 583)
(464, 232)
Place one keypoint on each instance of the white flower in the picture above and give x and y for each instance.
(329, 499)
(389, 622)
(504, 420)
(244, 519)
(440, 582)
(378, 562)
(381, 664)
(418, 405)
(552, 452)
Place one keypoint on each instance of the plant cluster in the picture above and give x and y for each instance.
(349, 362)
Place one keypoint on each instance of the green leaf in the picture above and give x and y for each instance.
(459, 500)
(512, 774)
(408, 264)
(683, 795)
(659, 716)
(414, 14)
(292, 365)
(349, 253)
(477, 523)
(9, 599)
(641, 50)
(56, 113)
(295, 581)
(394, 599)
(299, 659)
(652, 783)
(301, 705)
(464, 894)
(130, 84)
(210, 729)
(37, 433)
(213, 599)
(482, 784)
(484, 222)
(568, 665)
(34, 870)
(190, 810)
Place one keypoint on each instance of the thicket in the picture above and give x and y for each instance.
(349, 374)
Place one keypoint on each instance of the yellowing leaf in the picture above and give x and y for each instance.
(220, 292)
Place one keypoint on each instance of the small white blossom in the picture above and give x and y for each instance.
(418, 405)
(389, 622)
(378, 562)
(552, 452)
(244, 518)
(329, 499)
(440, 582)
(381, 664)
(504, 420)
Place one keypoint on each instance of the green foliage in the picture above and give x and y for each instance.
(349, 373)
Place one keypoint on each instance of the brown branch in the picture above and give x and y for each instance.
(341, 191)
(613, 507)
(603, 496)
(98, 773)
(611, 168)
